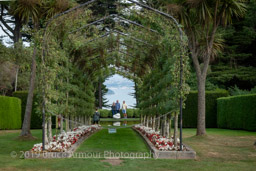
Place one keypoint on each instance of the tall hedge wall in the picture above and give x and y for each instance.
(190, 112)
(131, 113)
(10, 113)
(237, 112)
(36, 119)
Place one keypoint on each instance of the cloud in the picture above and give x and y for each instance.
(112, 88)
(118, 81)
(122, 88)
(126, 88)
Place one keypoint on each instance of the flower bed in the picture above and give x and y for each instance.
(160, 142)
(65, 140)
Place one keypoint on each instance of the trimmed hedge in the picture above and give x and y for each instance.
(131, 113)
(36, 119)
(190, 112)
(136, 113)
(10, 113)
(104, 113)
(237, 112)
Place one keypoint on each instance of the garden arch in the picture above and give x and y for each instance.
(86, 4)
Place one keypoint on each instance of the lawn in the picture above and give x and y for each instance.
(124, 140)
(121, 119)
(219, 150)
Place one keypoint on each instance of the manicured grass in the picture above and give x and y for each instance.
(124, 140)
(128, 123)
(121, 119)
(219, 150)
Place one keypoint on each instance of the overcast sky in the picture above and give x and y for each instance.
(5, 39)
(122, 88)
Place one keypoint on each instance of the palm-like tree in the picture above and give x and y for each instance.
(201, 19)
(28, 10)
(32, 10)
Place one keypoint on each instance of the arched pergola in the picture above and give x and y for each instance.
(118, 17)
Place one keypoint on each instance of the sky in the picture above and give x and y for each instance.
(122, 88)
(6, 39)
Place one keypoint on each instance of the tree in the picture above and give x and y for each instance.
(201, 20)
(7, 19)
(27, 10)
(8, 68)
(236, 65)
(102, 90)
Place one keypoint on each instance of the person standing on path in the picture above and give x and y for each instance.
(124, 109)
(96, 117)
(117, 107)
(113, 107)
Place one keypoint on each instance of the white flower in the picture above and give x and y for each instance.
(64, 140)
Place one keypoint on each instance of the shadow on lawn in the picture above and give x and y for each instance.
(223, 147)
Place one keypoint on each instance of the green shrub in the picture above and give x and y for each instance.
(237, 112)
(190, 112)
(136, 113)
(104, 113)
(131, 113)
(36, 118)
(10, 113)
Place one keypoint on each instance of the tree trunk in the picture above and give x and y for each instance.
(141, 119)
(144, 120)
(151, 122)
(16, 79)
(136, 95)
(17, 29)
(67, 123)
(76, 121)
(201, 107)
(82, 120)
(175, 129)
(170, 126)
(162, 127)
(27, 118)
(165, 126)
(90, 120)
(158, 123)
(49, 126)
(100, 95)
(71, 122)
(147, 121)
(61, 123)
(45, 131)
(154, 122)
(66, 110)
(86, 118)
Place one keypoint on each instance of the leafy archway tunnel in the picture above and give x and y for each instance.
(81, 48)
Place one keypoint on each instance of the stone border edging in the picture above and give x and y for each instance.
(67, 154)
(157, 154)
